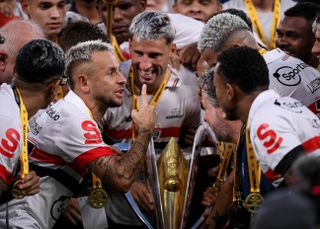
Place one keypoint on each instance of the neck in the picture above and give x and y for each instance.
(245, 105)
(32, 101)
(97, 110)
(263, 5)
(236, 128)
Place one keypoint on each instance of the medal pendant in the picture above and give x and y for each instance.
(98, 198)
(252, 201)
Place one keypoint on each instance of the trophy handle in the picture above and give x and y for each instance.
(200, 135)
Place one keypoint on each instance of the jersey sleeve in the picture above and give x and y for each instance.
(81, 140)
(10, 148)
(273, 139)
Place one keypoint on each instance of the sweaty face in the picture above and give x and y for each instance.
(150, 60)
(214, 117)
(107, 82)
(316, 46)
(123, 13)
(200, 10)
(295, 37)
(48, 14)
(226, 104)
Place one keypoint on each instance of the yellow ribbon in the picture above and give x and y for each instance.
(117, 49)
(253, 166)
(257, 25)
(24, 162)
(236, 186)
(155, 99)
(226, 150)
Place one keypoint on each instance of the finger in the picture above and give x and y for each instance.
(68, 216)
(144, 99)
(30, 182)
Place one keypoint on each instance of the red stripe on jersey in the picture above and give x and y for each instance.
(6, 176)
(312, 144)
(168, 132)
(120, 134)
(127, 134)
(87, 157)
(46, 157)
(272, 175)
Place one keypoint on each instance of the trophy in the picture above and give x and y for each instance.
(172, 180)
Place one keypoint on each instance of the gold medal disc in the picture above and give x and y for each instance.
(252, 201)
(98, 198)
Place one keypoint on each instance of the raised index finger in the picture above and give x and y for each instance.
(144, 98)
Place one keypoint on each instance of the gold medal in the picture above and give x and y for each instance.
(252, 201)
(17, 193)
(98, 198)
(217, 186)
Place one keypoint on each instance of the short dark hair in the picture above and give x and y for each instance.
(307, 10)
(39, 61)
(239, 13)
(244, 67)
(81, 31)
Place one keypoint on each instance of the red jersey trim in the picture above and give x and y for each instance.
(47, 158)
(6, 176)
(312, 144)
(85, 158)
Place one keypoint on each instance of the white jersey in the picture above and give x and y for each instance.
(178, 106)
(279, 127)
(66, 140)
(292, 77)
(265, 18)
(10, 134)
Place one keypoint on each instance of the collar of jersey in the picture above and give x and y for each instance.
(258, 102)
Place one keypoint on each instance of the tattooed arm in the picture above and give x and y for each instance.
(119, 172)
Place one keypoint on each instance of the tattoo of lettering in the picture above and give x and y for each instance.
(119, 172)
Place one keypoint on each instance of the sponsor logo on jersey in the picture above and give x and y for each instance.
(288, 104)
(315, 123)
(34, 127)
(288, 75)
(52, 113)
(314, 85)
(9, 144)
(175, 113)
(58, 207)
(92, 134)
(269, 138)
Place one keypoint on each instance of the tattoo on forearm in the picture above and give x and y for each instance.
(119, 172)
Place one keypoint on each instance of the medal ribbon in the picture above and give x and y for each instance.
(96, 182)
(253, 166)
(225, 158)
(155, 99)
(257, 25)
(117, 49)
(236, 187)
(24, 162)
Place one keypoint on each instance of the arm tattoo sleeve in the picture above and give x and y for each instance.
(119, 172)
